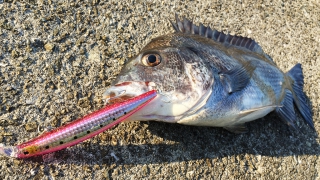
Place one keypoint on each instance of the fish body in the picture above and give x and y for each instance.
(208, 78)
(80, 129)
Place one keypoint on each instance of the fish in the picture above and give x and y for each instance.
(209, 78)
(79, 130)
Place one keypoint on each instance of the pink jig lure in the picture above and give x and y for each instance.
(80, 129)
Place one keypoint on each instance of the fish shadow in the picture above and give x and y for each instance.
(266, 137)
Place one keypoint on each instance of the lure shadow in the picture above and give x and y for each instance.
(268, 137)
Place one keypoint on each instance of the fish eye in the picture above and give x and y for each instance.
(151, 60)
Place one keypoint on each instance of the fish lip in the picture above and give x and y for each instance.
(126, 90)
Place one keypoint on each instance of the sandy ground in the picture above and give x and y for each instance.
(57, 58)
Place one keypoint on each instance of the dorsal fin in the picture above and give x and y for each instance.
(187, 27)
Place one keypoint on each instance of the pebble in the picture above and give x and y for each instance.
(31, 126)
(49, 47)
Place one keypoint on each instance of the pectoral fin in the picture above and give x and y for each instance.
(237, 78)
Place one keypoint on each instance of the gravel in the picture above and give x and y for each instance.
(57, 58)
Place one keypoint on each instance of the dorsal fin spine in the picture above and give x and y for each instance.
(208, 31)
(188, 27)
(228, 38)
(201, 29)
(251, 47)
(195, 29)
(238, 41)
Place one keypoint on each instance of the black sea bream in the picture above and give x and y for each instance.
(208, 78)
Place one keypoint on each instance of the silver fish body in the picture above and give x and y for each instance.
(208, 78)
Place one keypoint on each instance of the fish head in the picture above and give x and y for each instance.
(182, 79)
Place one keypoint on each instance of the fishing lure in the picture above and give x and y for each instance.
(80, 129)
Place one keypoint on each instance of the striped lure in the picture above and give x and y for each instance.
(80, 129)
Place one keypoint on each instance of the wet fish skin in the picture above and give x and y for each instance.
(208, 78)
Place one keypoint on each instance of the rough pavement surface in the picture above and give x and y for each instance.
(57, 58)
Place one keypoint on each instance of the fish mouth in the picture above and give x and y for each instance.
(171, 106)
(126, 90)
(159, 109)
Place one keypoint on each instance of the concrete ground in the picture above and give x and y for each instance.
(57, 58)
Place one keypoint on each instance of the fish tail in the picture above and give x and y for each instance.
(299, 97)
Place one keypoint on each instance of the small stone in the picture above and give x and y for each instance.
(16, 162)
(84, 102)
(79, 41)
(96, 167)
(7, 134)
(82, 51)
(308, 144)
(94, 55)
(32, 126)
(28, 48)
(87, 169)
(145, 170)
(14, 53)
(54, 122)
(49, 47)
(55, 31)
(114, 141)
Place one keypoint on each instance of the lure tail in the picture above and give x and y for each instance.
(80, 129)
(8, 150)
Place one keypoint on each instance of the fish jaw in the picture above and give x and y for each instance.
(125, 90)
(167, 106)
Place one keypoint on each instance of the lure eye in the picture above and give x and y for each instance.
(151, 60)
